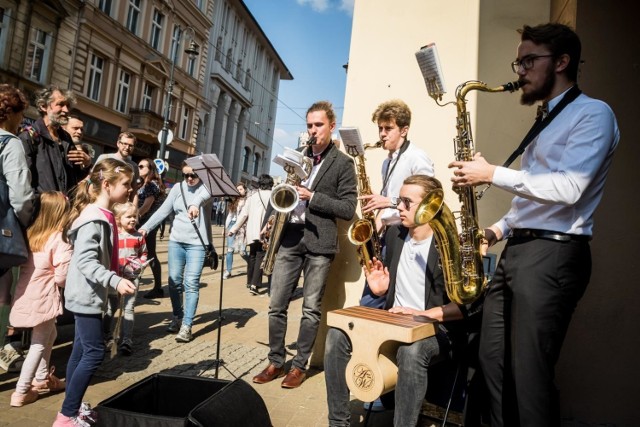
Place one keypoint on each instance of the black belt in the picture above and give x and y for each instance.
(532, 233)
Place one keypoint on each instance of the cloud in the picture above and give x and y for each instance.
(324, 5)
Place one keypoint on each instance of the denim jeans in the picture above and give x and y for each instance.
(290, 261)
(414, 361)
(113, 305)
(231, 240)
(151, 240)
(185, 268)
(86, 357)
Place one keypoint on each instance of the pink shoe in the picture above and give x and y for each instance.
(64, 421)
(21, 399)
(51, 384)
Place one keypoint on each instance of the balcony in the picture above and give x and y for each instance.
(147, 122)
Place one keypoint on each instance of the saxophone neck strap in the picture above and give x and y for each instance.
(391, 167)
(540, 124)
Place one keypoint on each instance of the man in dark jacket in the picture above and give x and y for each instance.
(414, 284)
(54, 161)
(309, 242)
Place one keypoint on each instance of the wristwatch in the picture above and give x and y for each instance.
(394, 203)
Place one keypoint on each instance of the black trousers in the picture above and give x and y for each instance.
(527, 311)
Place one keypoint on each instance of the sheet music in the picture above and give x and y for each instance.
(352, 141)
(293, 159)
(429, 63)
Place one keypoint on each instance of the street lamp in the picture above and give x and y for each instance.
(193, 50)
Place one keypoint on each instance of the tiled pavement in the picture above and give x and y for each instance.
(243, 348)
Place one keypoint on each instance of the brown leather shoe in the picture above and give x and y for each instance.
(269, 373)
(294, 378)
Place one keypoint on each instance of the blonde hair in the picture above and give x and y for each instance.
(119, 209)
(88, 190)
(52, 217)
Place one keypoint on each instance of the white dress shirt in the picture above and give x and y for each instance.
(563, 171)
(413, 161)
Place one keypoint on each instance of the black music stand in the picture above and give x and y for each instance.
(219, 184)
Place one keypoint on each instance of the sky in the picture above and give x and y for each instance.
(312, 38)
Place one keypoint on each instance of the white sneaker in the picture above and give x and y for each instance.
(185, 334)
(174, 326)
(226, 275)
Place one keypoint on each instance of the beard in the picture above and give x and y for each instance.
(57, 119)
(543, 92)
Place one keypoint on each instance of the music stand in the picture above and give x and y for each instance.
(219, 184)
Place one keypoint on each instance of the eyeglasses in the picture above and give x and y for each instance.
(527, 62)
(407, 202)
(142, 166)
(189, 176)
(126, 145)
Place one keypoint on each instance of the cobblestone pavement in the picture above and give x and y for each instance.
(243, 349)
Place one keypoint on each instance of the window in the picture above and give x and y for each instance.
(218, 49)
(256, 164)
(5, 15)
(133, 16)
(105, 6)
(96, 68)
(37, 55)
(156, 29)
(175, 44)
(147, 97)
(245, 159)
(184, 122)
(123, 91)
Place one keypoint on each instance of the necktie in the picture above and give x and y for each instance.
(543, 111)
(317, 159)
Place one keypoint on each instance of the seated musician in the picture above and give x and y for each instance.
(413, 282)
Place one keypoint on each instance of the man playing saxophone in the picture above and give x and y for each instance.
(405, 159)
(546, 264)
(310, 242)
(413, 281)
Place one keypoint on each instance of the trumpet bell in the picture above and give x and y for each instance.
(429, 207)
(284, 198)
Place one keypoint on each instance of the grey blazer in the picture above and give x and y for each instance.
(335, 196)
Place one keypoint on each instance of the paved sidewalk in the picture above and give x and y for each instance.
(243, 347)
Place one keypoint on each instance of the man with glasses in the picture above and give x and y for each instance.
(546, 264)
(412, 280)
(125, 145)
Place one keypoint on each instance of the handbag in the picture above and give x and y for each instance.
(210, 254)
(13, 243)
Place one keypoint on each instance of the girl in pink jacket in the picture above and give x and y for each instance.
(37, 300)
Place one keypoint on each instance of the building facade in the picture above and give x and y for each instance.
(118, 57)
(242, 83)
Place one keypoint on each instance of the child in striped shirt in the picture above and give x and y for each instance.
(132, 258)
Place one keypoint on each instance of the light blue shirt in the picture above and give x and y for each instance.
(563, 171)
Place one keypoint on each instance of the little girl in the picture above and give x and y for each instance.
(132, 258)
(37, 300)
(93, 268)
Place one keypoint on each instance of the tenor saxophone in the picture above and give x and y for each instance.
(460, 255)
(284, 199)
(363, 233)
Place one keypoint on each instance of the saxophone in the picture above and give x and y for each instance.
(460, 255)
(284, 199)
(364, 232)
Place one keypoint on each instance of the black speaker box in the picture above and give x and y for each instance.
(162, 400)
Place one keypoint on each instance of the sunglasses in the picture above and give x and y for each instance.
(142, 166)
(407, 202)
(189, 175)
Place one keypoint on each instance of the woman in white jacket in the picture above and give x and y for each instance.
(253, 214)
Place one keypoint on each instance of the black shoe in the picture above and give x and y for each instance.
(125, 349)
(154, 293)
(253, 290)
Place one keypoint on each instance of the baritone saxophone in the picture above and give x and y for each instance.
(460, 253)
